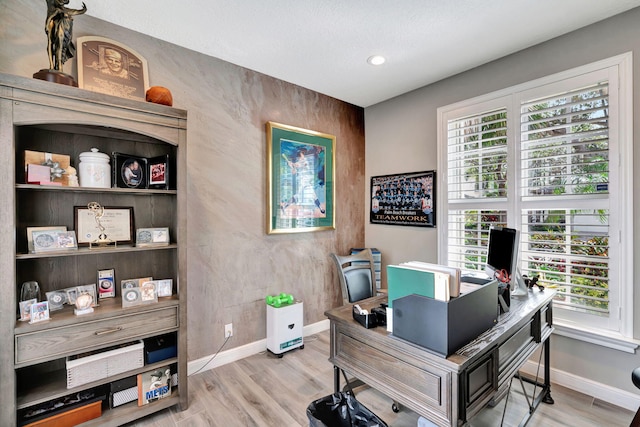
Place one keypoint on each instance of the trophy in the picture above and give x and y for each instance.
(98, 211)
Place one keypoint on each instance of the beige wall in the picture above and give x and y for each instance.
(410, 121)
(232, 264)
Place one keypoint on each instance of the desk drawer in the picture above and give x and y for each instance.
(53, 343)
(425, 385)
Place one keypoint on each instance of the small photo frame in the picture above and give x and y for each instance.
(106, 283)
(25, 308)
(165, 287)
(53, 240)
(56, 299)
(129, 171)
(158, 236)
(39, 312)
(148, 292)
(30, 231)
(159, 171)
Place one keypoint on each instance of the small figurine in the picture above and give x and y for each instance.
(72, 176)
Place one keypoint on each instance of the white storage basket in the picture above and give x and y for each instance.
(103, 365)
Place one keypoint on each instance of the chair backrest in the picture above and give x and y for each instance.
(357, 275)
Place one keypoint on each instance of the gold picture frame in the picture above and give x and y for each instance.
(300, 179)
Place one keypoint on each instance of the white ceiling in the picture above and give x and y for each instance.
(323, 45)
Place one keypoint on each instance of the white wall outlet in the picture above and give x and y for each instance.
(228, 330)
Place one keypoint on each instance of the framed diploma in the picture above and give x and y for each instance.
(116, 221)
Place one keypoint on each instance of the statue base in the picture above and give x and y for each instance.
(55, 77)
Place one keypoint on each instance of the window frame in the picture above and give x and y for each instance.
(619, 73)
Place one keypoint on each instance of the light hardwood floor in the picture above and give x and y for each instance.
(264, 390)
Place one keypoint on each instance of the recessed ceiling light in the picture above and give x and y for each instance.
(376, 60)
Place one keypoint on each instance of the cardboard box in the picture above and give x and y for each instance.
(39, 157)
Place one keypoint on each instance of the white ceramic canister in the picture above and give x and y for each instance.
(94, 169)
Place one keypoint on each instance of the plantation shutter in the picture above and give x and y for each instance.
(477, 171)
(564, 196)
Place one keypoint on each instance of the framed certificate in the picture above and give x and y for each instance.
(117, 222)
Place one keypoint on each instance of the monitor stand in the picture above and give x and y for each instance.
(520, 289)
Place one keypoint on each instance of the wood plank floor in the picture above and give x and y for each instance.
(264, 390)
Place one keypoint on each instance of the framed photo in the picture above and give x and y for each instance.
(106, 283)
(159, 171)
(53, 240)
(129, 171)
(39, 312)
(110, 67)
(149, 291)
(300, 176)
(117, 221)
(404, 199)
(30, 231)
(165, 287)
(25, 308)
(152, 236)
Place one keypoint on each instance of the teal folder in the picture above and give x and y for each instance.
(402, 281)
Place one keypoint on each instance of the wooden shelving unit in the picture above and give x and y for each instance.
(47, 117)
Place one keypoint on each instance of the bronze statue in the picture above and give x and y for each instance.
(58, 27)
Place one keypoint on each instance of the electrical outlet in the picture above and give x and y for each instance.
(228, 330)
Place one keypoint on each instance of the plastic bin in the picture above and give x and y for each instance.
(341, 410)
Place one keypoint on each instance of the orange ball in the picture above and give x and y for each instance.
(159, 95)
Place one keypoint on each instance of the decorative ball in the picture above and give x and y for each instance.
(159, 95)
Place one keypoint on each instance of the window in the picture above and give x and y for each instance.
(551, 158)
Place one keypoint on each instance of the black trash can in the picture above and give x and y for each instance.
(341, 410)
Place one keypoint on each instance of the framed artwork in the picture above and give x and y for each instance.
(300, 180)
(107, 66)
(404, 199)
(117, 222)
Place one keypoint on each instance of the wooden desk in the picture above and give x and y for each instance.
(446, 391)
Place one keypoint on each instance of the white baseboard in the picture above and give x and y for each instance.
(237, 353)
(606, 393)
(612, 395)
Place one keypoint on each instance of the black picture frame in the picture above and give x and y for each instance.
(159, 172)
(129, 171)
(404, 199)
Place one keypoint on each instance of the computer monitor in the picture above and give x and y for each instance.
(502, 253)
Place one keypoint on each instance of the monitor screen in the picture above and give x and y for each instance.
(502, 251)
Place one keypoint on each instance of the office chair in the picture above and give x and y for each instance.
(357, 276)
(635, 377)
(358, 281)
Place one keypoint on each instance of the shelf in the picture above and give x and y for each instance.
(145, 192)
(131, 411)
(95, 251)
(53, 385)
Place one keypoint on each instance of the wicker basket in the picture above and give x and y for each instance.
(103, 365)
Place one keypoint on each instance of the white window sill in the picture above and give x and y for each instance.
(613, 341)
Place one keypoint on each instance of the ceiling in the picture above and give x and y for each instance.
(323, 45)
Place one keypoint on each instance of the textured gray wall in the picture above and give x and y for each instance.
(233, 264)
(412, 119)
